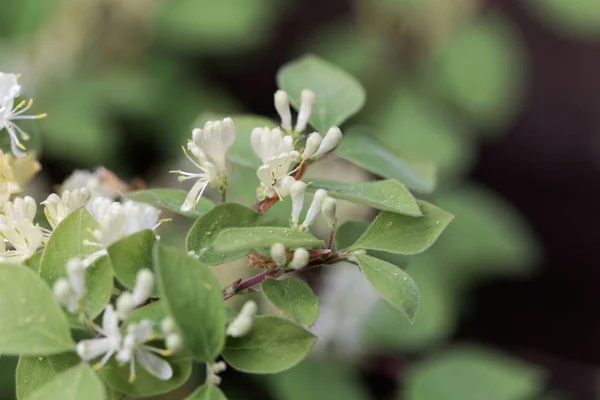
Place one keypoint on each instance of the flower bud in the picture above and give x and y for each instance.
(300, 258)
(331, 140)
(242, 324)
(219, 367)
(307, 103)
(174, 342)
(249, 309)
(278, 254)
(62, 291)
(124, 305)
(312, 145)
(328, 211)
(144, 282)
(76, 275)
(315, 209)
(297, 192)
(282, 105)
(168, 325)
(286, 184)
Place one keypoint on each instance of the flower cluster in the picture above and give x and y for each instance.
(109, 342)
(18, 230)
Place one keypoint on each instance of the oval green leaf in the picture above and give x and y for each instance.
(386, 195)
(131, 254)
(339, 94)
(35, 372)
(392, 284)
(32, 321)
(191, 294)
(294, 297)
(273, 345)
(116, 377)
(207, 392)
(361, 149)
(171, 199)
(78, 382)
(400, 234)
(202, 234)
(244, 239)
(65, 243)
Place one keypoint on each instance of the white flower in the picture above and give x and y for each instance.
(300, 258)
(312, 145)
(242, 324)
(213, 371)
(282, 105)
(270, 143)
(307, 103)
(9, 90)
(134, 348)
(210, 146)
(315, 209)
(70, 291)
(57, 208)
(9, 184)
(92, 181)
(17, 228)
(297, 191)
(21, 208)
(107, 345)
(126, 302)
(331, 140)
(272, 172)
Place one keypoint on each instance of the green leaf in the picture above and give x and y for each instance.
(192, 296)
(581, 19)
(273, 345)
(373, 156)
(65, 243)
(350, 231)
(34, 261)
(131, 254)
(202, 234)
(472, 373)
(32, 321)
(73, 384)
(207, 392)
(339, 95)
(328, 381)
(154, 312)
(239, 239)
(397, 233)
(386, 195)
(116, 377)
(35, 372)
(171, 199)
(294, 297)
(392, 284)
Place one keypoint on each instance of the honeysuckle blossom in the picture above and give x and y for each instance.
(9, 113)
(242, 324)
(107, 344)
(18, 229)
(328, 209)
(94, 182)
(313, 141)
(135, 348)
(213, 370)
(56, 208)
(209, 146)
(272, 172)
(8, 182)
(282, 105)
(268, 143)
(297, 191)
(332, 139)
(127, 301)
(314, 209)
(70, 291)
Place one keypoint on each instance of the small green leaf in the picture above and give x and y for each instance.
(32, 321)
(65, 243)
(473, 373)
(397, 233)
(202, 234)
(339, 95)
(273, 345)
(116, 377)
(350, 231)
(192, 296)
(386, 195)
(207, 392)
(392, 284)
(131, 254)
(35, 372)
(171, 199)
(294, 297)
(239, 239)
(154, 312)
(78, 382)
(361, 149)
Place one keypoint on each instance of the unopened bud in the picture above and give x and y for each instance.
(144, 282)
(124, 305)
(307, 103)
(249, 309)
(331, 140)
(219, 367)
(328, 211)
(62, 291)
(76, 275)
(240, 326)
(174, 342)
(278, 254)
(286, 184)
(297, 192)
(300, 258)
(315, 209)
(168, 325)
(282, 105)
(312, 145)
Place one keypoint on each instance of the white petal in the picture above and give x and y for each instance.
(89, 349)
(110, 322)
(155, 365)
(194, 194)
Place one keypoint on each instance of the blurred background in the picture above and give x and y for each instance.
(503, 95)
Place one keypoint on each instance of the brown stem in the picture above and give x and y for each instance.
(263, 205)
